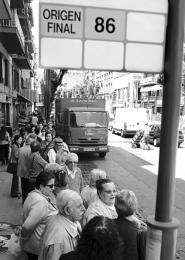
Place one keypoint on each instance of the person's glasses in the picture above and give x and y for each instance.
(73, 162)
(110, 191)
(51, 186)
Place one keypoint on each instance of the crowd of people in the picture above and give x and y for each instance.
(64, 219)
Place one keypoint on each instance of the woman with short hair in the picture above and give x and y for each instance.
(104, 205)
(37, 210)
(131, 229)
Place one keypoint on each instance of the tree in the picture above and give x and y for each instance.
(55, 82)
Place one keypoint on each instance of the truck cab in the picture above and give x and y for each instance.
(83, 124)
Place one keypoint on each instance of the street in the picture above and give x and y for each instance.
(130, 168)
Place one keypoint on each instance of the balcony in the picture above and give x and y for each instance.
(11, 34)
(26, 20)
(22, 61)
(5, 12)
(149, 81)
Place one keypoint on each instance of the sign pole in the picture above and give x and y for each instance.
(162, 232)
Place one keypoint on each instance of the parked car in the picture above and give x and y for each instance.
(154, 135)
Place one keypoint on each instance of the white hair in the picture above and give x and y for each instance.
(66, 198)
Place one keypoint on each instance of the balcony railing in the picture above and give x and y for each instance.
(16, 23)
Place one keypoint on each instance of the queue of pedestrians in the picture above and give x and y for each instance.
(63, 218)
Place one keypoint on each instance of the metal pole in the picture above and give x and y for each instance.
(164, 226)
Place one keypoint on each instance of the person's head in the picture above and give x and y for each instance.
(57, 171)
(95, 175)
(48, 136)
(58, 143)
(33, 129)
(30, 138)
(72, 161)
(35, 146)
(40, 126)
(70, 205)
(17, 139)
(100, 240)
(126, 203)
(23, 132)
(106, 191)
(50, 125)
(45, 182)
(61, 157)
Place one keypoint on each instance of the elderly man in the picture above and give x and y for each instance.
(24, 163)
(63, 230)
(73, 173)
(59, 144)
(104, 205)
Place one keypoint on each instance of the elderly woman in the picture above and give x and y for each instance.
(37, 210)
(99, 240)
(104, 205)
(89, 193)
(74, 177)
(132, 230)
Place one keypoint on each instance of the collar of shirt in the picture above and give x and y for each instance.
(71, 173)
(73, 228)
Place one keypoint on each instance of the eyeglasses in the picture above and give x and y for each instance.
(73, 162)
(51, 186)
(110, 191)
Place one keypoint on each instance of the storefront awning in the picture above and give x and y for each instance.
(24, 98)
(151, 88)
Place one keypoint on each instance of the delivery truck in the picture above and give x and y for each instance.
(83, 124)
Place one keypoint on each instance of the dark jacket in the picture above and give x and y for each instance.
(134, 239)
(69, 256)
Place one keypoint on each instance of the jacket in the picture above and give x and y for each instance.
(60, 237)
(37, 210)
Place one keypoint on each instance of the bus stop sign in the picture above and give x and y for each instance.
(106, 35)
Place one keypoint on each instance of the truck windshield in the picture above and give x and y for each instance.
(88, 119)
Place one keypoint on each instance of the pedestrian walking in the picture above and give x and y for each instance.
(24, 164)
(99, 240)
(14, 159)
(104, 205)
(63, 230)
(131, 229)
(37, 210)
(89, 193)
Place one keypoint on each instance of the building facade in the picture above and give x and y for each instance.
(17, 92)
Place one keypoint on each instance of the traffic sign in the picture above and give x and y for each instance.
(119, 36)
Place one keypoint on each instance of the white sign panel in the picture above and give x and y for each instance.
(115, 36)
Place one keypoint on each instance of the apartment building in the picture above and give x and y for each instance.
(17, 94)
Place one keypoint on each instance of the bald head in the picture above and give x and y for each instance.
(70, 204)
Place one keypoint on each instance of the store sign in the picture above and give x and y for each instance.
(106, 35)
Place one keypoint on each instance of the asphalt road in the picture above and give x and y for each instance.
(135, 169)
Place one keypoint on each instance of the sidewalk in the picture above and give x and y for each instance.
(10, 209)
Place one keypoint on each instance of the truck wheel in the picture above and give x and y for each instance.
(102, 155)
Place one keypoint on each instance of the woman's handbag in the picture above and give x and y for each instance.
(12, 167)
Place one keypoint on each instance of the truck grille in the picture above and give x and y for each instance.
(86, 141)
